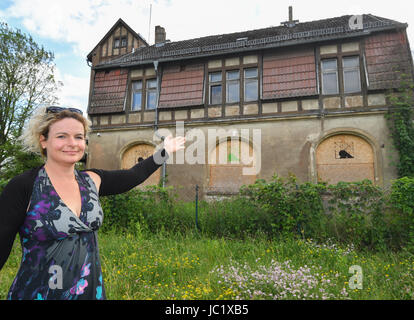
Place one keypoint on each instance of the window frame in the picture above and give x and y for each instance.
(251, 80)
(223, 69)
(232, 82)
(215, 84)
(152, 90)
(144, 92)
(356, 68)
(120, 42)
(330, 71)
(340, 56)
(132, 95)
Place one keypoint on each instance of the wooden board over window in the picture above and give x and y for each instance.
(345, 158)
(227, 176)
(137, 153)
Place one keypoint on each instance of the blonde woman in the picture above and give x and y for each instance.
(56, 211)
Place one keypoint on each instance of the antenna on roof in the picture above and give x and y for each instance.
(149, 25)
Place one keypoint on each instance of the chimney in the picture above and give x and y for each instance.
(291, 22)
(160, 35)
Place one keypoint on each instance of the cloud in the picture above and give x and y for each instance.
(81, 23)
(75, 90)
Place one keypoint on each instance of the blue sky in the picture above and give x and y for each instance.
(71, 29)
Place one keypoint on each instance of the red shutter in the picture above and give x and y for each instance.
(109, 91)
(289, 74)
(182, 86)
(387, 53)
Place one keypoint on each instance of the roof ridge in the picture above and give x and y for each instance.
(259, 37)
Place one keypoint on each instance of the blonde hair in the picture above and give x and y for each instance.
(39, 124)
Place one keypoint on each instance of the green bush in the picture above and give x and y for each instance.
(359, 213)
(236, 217)
(401, 201)
(292, 208)
(356, 214)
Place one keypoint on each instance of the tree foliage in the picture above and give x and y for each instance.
(26, 81)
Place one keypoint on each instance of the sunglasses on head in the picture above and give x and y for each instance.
(60, 109)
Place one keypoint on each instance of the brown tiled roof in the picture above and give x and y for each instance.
(252, 40)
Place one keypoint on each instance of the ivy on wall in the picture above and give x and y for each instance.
(401, 125)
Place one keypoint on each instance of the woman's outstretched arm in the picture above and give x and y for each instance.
(120, 181)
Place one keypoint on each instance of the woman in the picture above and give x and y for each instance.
(56, 210)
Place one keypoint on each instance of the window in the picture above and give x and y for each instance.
(330, 76)
(136, 95)
(215, 87)
(250, 84)
(151, 93)
(352, 82)
(120, 42)
(233, 86)
(116, 43)
(350, 72)
(144, 98)
(123, 42)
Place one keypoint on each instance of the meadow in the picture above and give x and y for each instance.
(277, 240)
(165, 266)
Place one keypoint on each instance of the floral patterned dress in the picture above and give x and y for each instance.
(60, 258)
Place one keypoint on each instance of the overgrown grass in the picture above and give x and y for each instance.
(277, 240)
(144, 265)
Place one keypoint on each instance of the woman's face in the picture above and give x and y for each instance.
(66, 141)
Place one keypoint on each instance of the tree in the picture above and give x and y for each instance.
(26, 81)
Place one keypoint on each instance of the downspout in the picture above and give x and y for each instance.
(158, 75)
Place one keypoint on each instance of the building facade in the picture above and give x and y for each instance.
(302, 98)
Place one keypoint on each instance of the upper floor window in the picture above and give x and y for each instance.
(144, 98)
(330, 76)
(120, 42)
(232, 86)
(350, 75)
(136, 103)
(151, 93)
(251, 84)
(237, 88)
(352, 81)
(215, 87)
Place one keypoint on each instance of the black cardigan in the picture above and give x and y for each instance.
(16, 195)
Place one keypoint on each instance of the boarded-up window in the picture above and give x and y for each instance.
(289, 74)
(136, 154)
(226, 167)
(345, 158)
